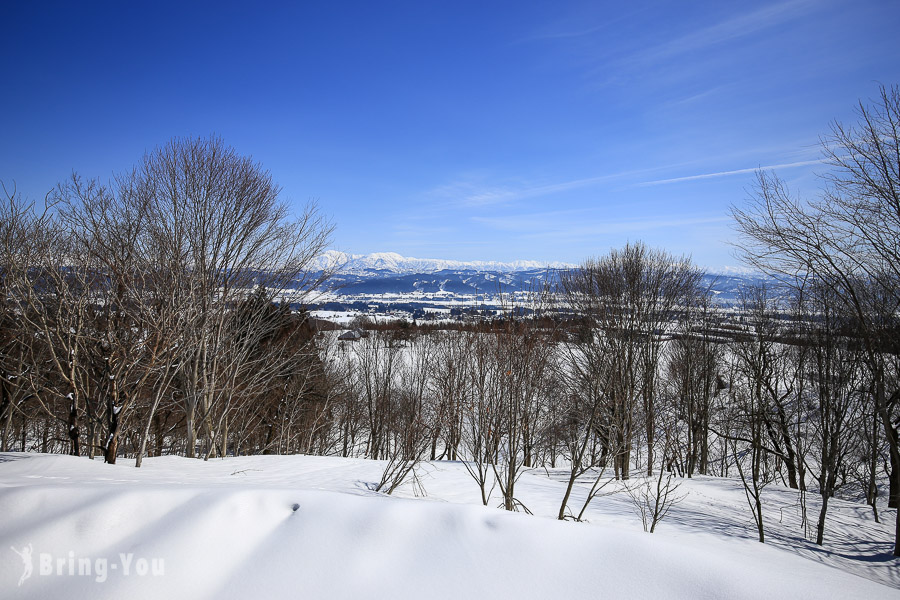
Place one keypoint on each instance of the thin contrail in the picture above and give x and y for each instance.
(802, 163)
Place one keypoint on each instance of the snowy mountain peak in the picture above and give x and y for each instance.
(395, 263)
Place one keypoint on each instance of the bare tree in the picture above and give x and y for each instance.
(694, 363)
(477, 433)
(653, 497)
(410, 434)
(835, 373)
(450, 386)
(759, 391)
(520, 361)
(849, 239)
(375, 362)
(630, 298)
(16, 227)
(766, 363)
(49, 278)
(129, 338)
(583, 377)
(216, 221)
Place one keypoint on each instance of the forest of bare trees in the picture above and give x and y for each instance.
(147, 306)
(162, 313)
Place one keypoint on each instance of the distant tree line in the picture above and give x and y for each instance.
(150, 316)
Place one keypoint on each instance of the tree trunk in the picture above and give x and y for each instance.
(111, 449)
(820, 526)
(73, 430)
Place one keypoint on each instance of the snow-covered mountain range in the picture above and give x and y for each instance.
(390, 273)
(392, 262)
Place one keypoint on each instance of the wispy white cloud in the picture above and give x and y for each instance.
(467, 193)
(802, 163)
(583, 223)
(475, 192)
(669, 55)
(577, 25)
(726, 31)
(567, 34)
(694, 98)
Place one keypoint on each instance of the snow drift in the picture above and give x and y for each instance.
(296, 526)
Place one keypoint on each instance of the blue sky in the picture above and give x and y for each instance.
(460, 130)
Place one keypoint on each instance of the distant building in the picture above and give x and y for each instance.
(353, 335)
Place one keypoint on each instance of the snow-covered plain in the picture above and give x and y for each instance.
(309, 527)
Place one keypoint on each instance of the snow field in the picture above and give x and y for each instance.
(228, 529)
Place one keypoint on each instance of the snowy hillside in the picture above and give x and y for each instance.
(309, 527)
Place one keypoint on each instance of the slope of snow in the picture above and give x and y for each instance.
(229, 529)
(395, 263)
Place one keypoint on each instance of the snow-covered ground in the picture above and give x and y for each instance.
(309, 527)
